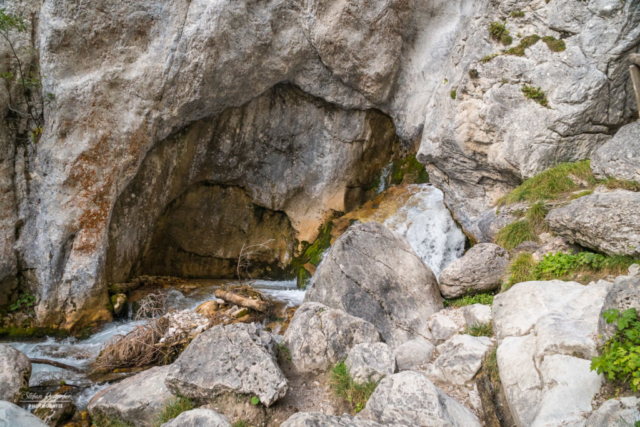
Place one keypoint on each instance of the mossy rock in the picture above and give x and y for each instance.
(311, 254)
(33, 332)
(408, 171)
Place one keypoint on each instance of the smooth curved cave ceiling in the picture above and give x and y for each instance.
(276, 168)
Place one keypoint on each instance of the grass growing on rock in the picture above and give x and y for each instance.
(536, 94)
(241, 423)
(515, 233)
(526, 42)
(583, 267)
(499, 32)
(486, 299)
(100, 420)
(554, 45)
(345, 388)
(481, 330)
(172, 408)
(490, 366)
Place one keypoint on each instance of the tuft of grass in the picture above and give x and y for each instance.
(535, 94)
(553, 44)
(453, 94)
(481, 330)
(345, 388)
(613, 184)
(536, 215)
(284, 352)
(174, 407)
(517, 14)
(489, 58)
(551, 183)
(581, 194)
(497, 30)
(490, 366)
(515, 233)
(100, 420)
(506, 39)
(241, 423)
(520, 270)
(486, 299)
(525, 43)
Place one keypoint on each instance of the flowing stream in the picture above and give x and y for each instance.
(423, 220)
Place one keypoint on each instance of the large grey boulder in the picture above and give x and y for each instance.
(481, 269)
(12, 415)
(409, 399)
(412, 354)
(607, 222)
(623, 411)
(317, 419)
(243, 362)
(372, 273)
(318, 337)
(624, 294)
(460, 358)
(620, 157)
(547, 334)
(15, 371)
(477, 314)
(442, 328)
(136, 399)
(370, 362)
(199, 418)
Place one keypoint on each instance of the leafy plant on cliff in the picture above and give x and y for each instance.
(499, 32)
(345, 388)
(620, 359)
(30, 104)
(24, 301)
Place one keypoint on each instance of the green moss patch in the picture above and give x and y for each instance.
(525, 43)
(486, 299)
(554, 45)
(311, 254)
(34, 332)
(408, 171)
(536, 94)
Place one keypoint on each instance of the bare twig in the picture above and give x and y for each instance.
(247, 253)
(56, 364)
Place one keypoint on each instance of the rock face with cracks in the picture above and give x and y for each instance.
(547, 334)
(370, 362)
(199, 417)
(318, 337)
(620, 157)
(244, 362)
(372, 273)
(15, 371)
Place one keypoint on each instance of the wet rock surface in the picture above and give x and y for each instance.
(372, 273)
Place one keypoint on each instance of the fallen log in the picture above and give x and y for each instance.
(56, 364)
(233, 298)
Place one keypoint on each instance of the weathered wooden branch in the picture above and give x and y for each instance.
(56, 364)
(635, 77)
(233, 298)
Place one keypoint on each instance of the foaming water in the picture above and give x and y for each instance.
(428, 226)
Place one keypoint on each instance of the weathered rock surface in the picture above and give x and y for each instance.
(625, 410)
(412, 354)
(316, 419)
(487, 137)
(55, 410)
(481, 269)
(607, 222)
(13, 415)
(136, 399)
(460, 358)
(370, 362)
(410, 399)
(547, 334)
(243, 362)
(372, 273)
(620, 157)
(199, 418)
(442, 328)
(15, 371)
(318, 337)
(477, 314)
(624, 294)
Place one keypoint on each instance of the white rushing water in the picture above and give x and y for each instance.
(428, 226)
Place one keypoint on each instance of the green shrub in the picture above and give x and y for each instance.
(553, 44)
(345, 388)
(486, 299)
(620, 359)
(535, 94)
(515, 233)
(481, 330)
(24, 301)
(453, 94)
(561, 265)
(497, 30)
(551, 183)
(174, 407)
(525, 43)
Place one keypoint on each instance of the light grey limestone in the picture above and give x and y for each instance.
(442, 328)
(12, 415)
(15, 372)
(481, 268)
(372, 273)
(243, 362)
(620, 157)
(199, 418)
(370, 362)
(411, 354)
(460, 358)
(625, 410)
(477, 314)
(624, 294)
(318, 337)
(607, 222)
(317, 419)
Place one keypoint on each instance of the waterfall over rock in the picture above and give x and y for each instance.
(428, 226)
